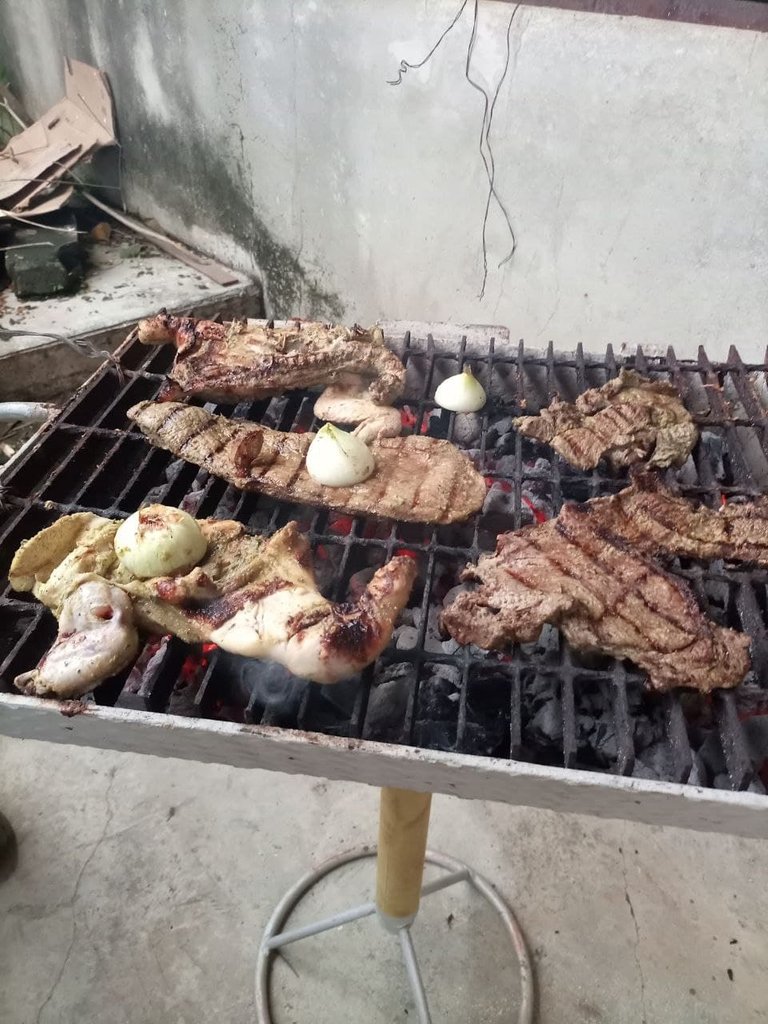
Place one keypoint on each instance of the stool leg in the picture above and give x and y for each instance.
(403, 827)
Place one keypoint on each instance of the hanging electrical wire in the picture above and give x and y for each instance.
(489, 106)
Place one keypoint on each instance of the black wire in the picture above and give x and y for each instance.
(405, 65)
(486, 150)
(489, 105)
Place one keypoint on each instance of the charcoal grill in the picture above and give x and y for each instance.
(455, 719)
(540, 725)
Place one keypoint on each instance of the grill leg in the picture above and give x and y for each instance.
(403, 827)
(402, 854)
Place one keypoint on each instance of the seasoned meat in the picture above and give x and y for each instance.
(246, 359)
(96, 639)
(653, 520)
(604, 596)
(249, 595)
(630, 419)
(347, 403)
(419, 479)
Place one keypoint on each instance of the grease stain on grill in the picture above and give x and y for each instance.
(539, 702)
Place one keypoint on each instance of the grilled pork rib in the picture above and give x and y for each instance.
(603, 595)
(250, 596)
(245, 359)
(419, 479)
(628, 420)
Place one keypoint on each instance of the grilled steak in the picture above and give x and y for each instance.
(246, 359)
(250, 596)
(419, 479)
(603, 595)
(630, 419)
(655, 521)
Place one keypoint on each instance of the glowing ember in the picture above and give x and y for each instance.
(538, 515)
(340, 524)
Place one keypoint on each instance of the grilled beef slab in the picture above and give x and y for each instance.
(419, 479)
(653, 520)
(249, 595)
(246, 359)
(630, 419)
(603, 595)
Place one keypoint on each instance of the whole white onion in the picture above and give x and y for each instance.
(461, 393)
(338, 459)
(159, 540)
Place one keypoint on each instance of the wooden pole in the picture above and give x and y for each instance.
(403, 827)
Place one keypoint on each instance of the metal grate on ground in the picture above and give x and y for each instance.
(542, 702)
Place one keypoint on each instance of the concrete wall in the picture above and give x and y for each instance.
(632, 155)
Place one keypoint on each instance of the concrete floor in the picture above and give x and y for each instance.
(143, 885)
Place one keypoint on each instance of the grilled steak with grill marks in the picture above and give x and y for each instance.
(655, 521)
(249, 595)
(419, 479)
(603, 595)
(630, 419)
(246, 359)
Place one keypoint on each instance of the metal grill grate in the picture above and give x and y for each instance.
(539, 702)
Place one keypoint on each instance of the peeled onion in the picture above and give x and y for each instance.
(159, 540)
(338, 459)
(461, 393)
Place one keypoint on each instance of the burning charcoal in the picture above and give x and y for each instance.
(698, 776)
(182, 700)
(144, 671)
(711, 447)
(451, 673)
(546, 726)
(433, 640)
(191, 501)
(467, 428)
(405, 637)
(450, 646)
(327, 563)
(342, 696)
(711, 754)
(229, 502)
(436, 714)
(501, 437)
(274, 688)
(275, 411)
(388, 704)
(655, 762)
(505, 465)
(499, 499)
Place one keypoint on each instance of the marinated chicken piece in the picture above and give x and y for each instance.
(604, 597)
(419, 479)
(96, 639)
(250, 595)
(630, 419)
(653, 520)
(347, 403)
(248, 359)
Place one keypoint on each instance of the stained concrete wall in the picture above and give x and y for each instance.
(632, 156)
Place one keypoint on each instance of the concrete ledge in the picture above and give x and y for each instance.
(118, 291)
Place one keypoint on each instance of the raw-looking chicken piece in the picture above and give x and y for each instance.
(97, 638)
(249, 595)
(630, 419)
(419, 479)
